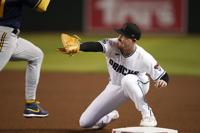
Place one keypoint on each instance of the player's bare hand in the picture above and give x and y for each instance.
(160, 83)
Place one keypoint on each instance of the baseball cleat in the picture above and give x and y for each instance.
(32, 109)
(148, 122)
(106, 120)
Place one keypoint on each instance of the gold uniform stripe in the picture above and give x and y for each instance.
(39, 1)
(42, 5)
(2, 7)
(2, 40)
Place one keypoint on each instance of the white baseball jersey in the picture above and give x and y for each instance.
(128, 80)
(139, 63)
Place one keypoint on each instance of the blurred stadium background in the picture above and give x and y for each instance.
(170, 32)
(68, 84)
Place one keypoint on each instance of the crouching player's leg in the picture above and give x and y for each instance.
(136, 88)
(102, 110)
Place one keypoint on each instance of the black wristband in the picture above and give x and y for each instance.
(165, 77)
(91, 47)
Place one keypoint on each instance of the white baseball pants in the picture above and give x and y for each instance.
(132, 87)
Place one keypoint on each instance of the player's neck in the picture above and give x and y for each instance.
(128, 52)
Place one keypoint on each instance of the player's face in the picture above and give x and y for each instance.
(125, 43)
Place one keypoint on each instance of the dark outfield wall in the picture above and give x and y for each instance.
(194, 16)
(67, 15)
(62, 15)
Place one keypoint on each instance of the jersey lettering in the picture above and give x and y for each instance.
(121, 69)
(2, 2)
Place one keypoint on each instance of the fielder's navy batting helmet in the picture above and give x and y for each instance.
(130, 30)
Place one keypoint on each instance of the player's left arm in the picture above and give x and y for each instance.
(103, 46)
(39, 5)
(42, 5)
(91, 47)
(2, 3)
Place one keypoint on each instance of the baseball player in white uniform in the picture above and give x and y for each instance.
(128, 65)
(15, 48)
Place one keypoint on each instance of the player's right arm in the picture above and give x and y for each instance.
(157, 73)
(149, 65)
(40, 5)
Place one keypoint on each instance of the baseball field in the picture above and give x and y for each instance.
(68, 85)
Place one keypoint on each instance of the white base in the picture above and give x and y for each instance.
(143, 130)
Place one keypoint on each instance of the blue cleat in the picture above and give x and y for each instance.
(32, 109)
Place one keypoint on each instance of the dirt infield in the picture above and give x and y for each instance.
(66, 95)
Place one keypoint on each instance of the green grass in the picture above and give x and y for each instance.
(177, 54)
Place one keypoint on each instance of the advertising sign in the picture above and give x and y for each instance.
(150, 15)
